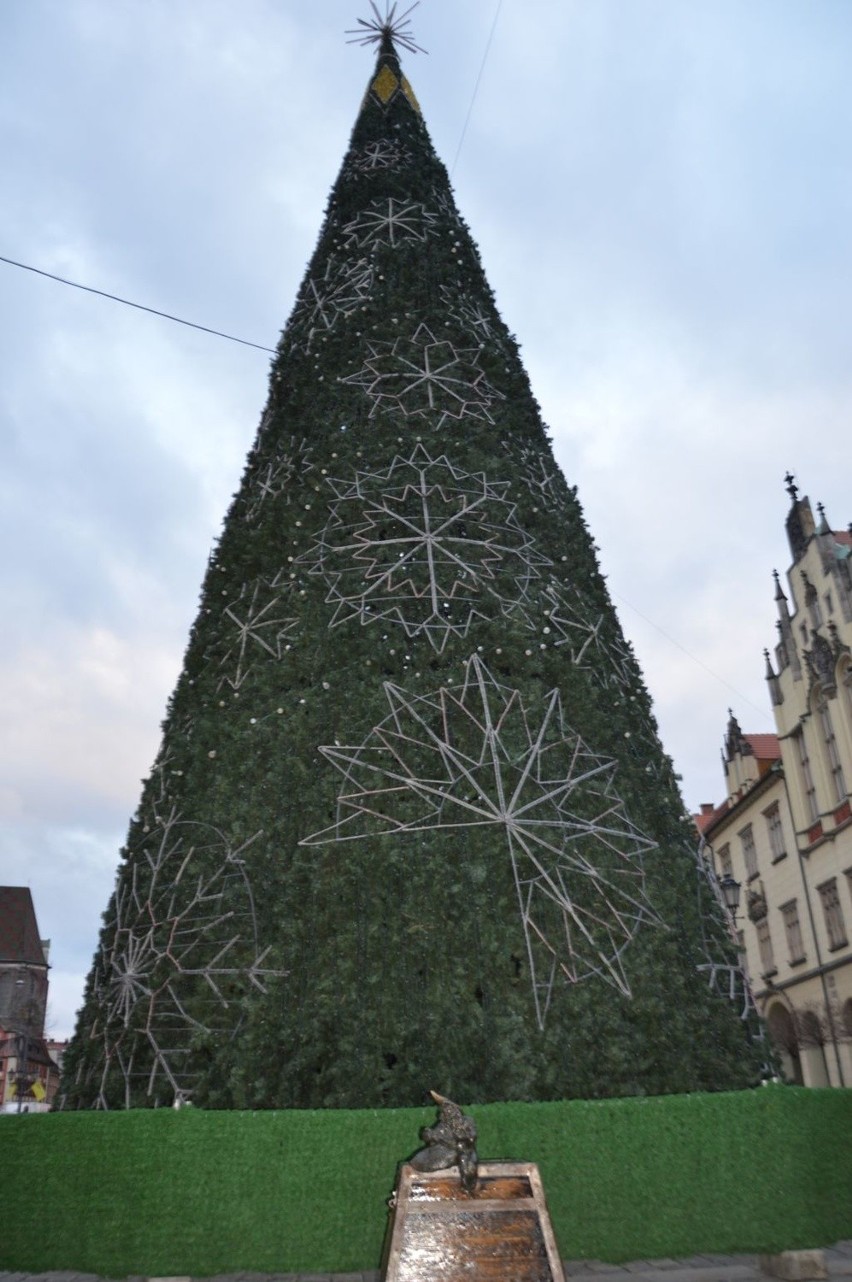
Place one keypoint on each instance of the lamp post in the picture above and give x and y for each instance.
(731, 890)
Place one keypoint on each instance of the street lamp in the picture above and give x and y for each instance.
(730, 893)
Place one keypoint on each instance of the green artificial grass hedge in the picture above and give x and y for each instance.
(193, 1192)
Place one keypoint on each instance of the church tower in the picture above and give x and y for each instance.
(410, 823)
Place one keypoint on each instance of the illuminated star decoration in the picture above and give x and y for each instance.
(476, 755)
(374, 30)
(426, 545)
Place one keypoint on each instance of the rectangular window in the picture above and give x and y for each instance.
(749, 853)
(834, 923)
(790, 913)
(811, 807)
(764, 943)
(835, 770)
(776, 833)
(726, 867)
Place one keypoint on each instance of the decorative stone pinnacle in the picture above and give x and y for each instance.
(377, 30)
(792, 488)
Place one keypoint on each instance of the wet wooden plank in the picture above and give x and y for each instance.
(446, 1188)
(499, 1233)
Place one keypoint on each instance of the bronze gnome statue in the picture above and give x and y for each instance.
(450, 1142)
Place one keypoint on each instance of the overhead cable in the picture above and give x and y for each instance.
(102, 293)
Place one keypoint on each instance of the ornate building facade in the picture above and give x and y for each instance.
(784, 832)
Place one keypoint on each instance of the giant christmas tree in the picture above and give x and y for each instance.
(410, 823)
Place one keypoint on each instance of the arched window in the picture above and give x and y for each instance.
(782, 1034)
(812, 1041)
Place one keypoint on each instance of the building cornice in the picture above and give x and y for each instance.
(764, 994)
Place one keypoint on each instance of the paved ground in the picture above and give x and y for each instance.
(698, 1268)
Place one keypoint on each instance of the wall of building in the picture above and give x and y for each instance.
(784, 831)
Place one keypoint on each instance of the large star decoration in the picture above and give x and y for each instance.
(426, 377)
(426, 545)
(479, 756)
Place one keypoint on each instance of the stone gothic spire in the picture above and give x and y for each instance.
(800, 520)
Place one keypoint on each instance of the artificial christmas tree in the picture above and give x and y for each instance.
(410, 821)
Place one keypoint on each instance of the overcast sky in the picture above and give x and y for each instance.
(662, 194)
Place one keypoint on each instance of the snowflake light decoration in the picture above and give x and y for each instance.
(426, 546)
(382, 154)
(470, 315)
(390, 222)
(474, 756)
(182, 926)
(426, 377)
(579, 628)
(445, 205)
(539, 472)
(575, 629)
(253, 624)
(341, 289)
(290, 462)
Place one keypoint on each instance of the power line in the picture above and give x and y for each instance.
(205, 329)
(694, 657)
(245, 342)
(476, 86)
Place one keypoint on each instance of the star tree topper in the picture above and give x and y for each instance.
(372, 31)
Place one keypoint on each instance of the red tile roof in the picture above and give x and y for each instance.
(764, 746)
(708, 817)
